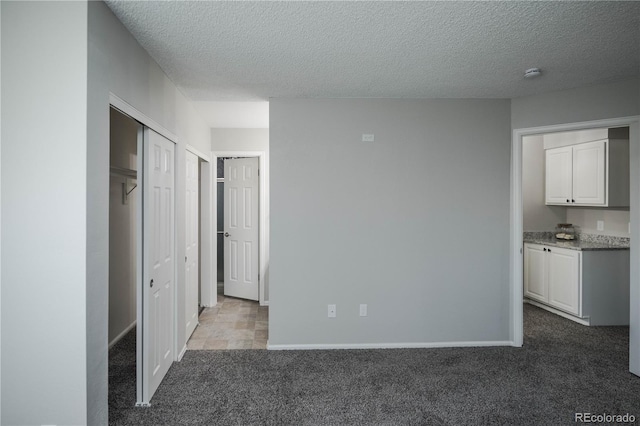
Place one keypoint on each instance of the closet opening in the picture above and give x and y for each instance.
(124, 205)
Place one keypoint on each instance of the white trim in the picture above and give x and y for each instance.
(121, 335)
(208, 235)
(139, 268)
(265, 303)
(264, 243)
(132, 112)
(182, 352)
(558, 312)
(192, 149)
(425, 345)
(515, 258)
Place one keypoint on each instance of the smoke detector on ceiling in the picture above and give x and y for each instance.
(532, 72)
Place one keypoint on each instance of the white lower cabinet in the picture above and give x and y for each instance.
(552, 276)
(592, 287)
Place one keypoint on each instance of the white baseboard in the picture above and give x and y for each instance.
(277, 347)
(182, 352)
(265, 303)
(121, 335)
(583, 321)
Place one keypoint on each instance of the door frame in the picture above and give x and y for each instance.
(121, 105)
(262, 208)
(516, 224)
(207, 265)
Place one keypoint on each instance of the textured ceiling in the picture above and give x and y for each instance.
(241, 51)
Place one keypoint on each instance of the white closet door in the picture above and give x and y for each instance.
(158, 261)
(191, 237)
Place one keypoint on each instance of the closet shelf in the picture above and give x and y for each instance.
(121, 171)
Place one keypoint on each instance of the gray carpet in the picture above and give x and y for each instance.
(562, 369)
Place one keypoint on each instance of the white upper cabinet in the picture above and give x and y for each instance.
(559, 175)
(588, 174)
(589, 160)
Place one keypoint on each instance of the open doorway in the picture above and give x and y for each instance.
(237, 320)
(124, 205)
(575, 191)
(590, 287)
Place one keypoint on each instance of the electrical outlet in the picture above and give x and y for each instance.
(331, 311)
(363, 310)
(600, 225)
(368, 137)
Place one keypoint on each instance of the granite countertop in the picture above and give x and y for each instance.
(584, 242)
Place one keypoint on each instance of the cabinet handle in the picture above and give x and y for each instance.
(573, 201)
(549, 250)
(567, 200)
(544, 249)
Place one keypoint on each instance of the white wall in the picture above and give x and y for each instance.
(619, 99)
(0, 217)
(248, 140)
(536, 215)
(44, 213)
(240, 140)
(415, 224)
(122, 226)
(616, 222)
(119, 65)
(62, 60)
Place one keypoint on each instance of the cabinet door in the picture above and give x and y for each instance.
(564, 279)
(558, 175)
(589, 173)
(535, 273)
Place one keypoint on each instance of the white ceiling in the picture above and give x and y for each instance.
(252, 51)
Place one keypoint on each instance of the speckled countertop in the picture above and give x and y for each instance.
(585, 242)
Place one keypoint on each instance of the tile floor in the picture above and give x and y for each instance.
(232, 324)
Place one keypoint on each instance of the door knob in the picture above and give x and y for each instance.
(226, 234)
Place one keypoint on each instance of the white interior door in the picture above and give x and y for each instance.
(158, 261)
(241, 225)
(191, 254)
